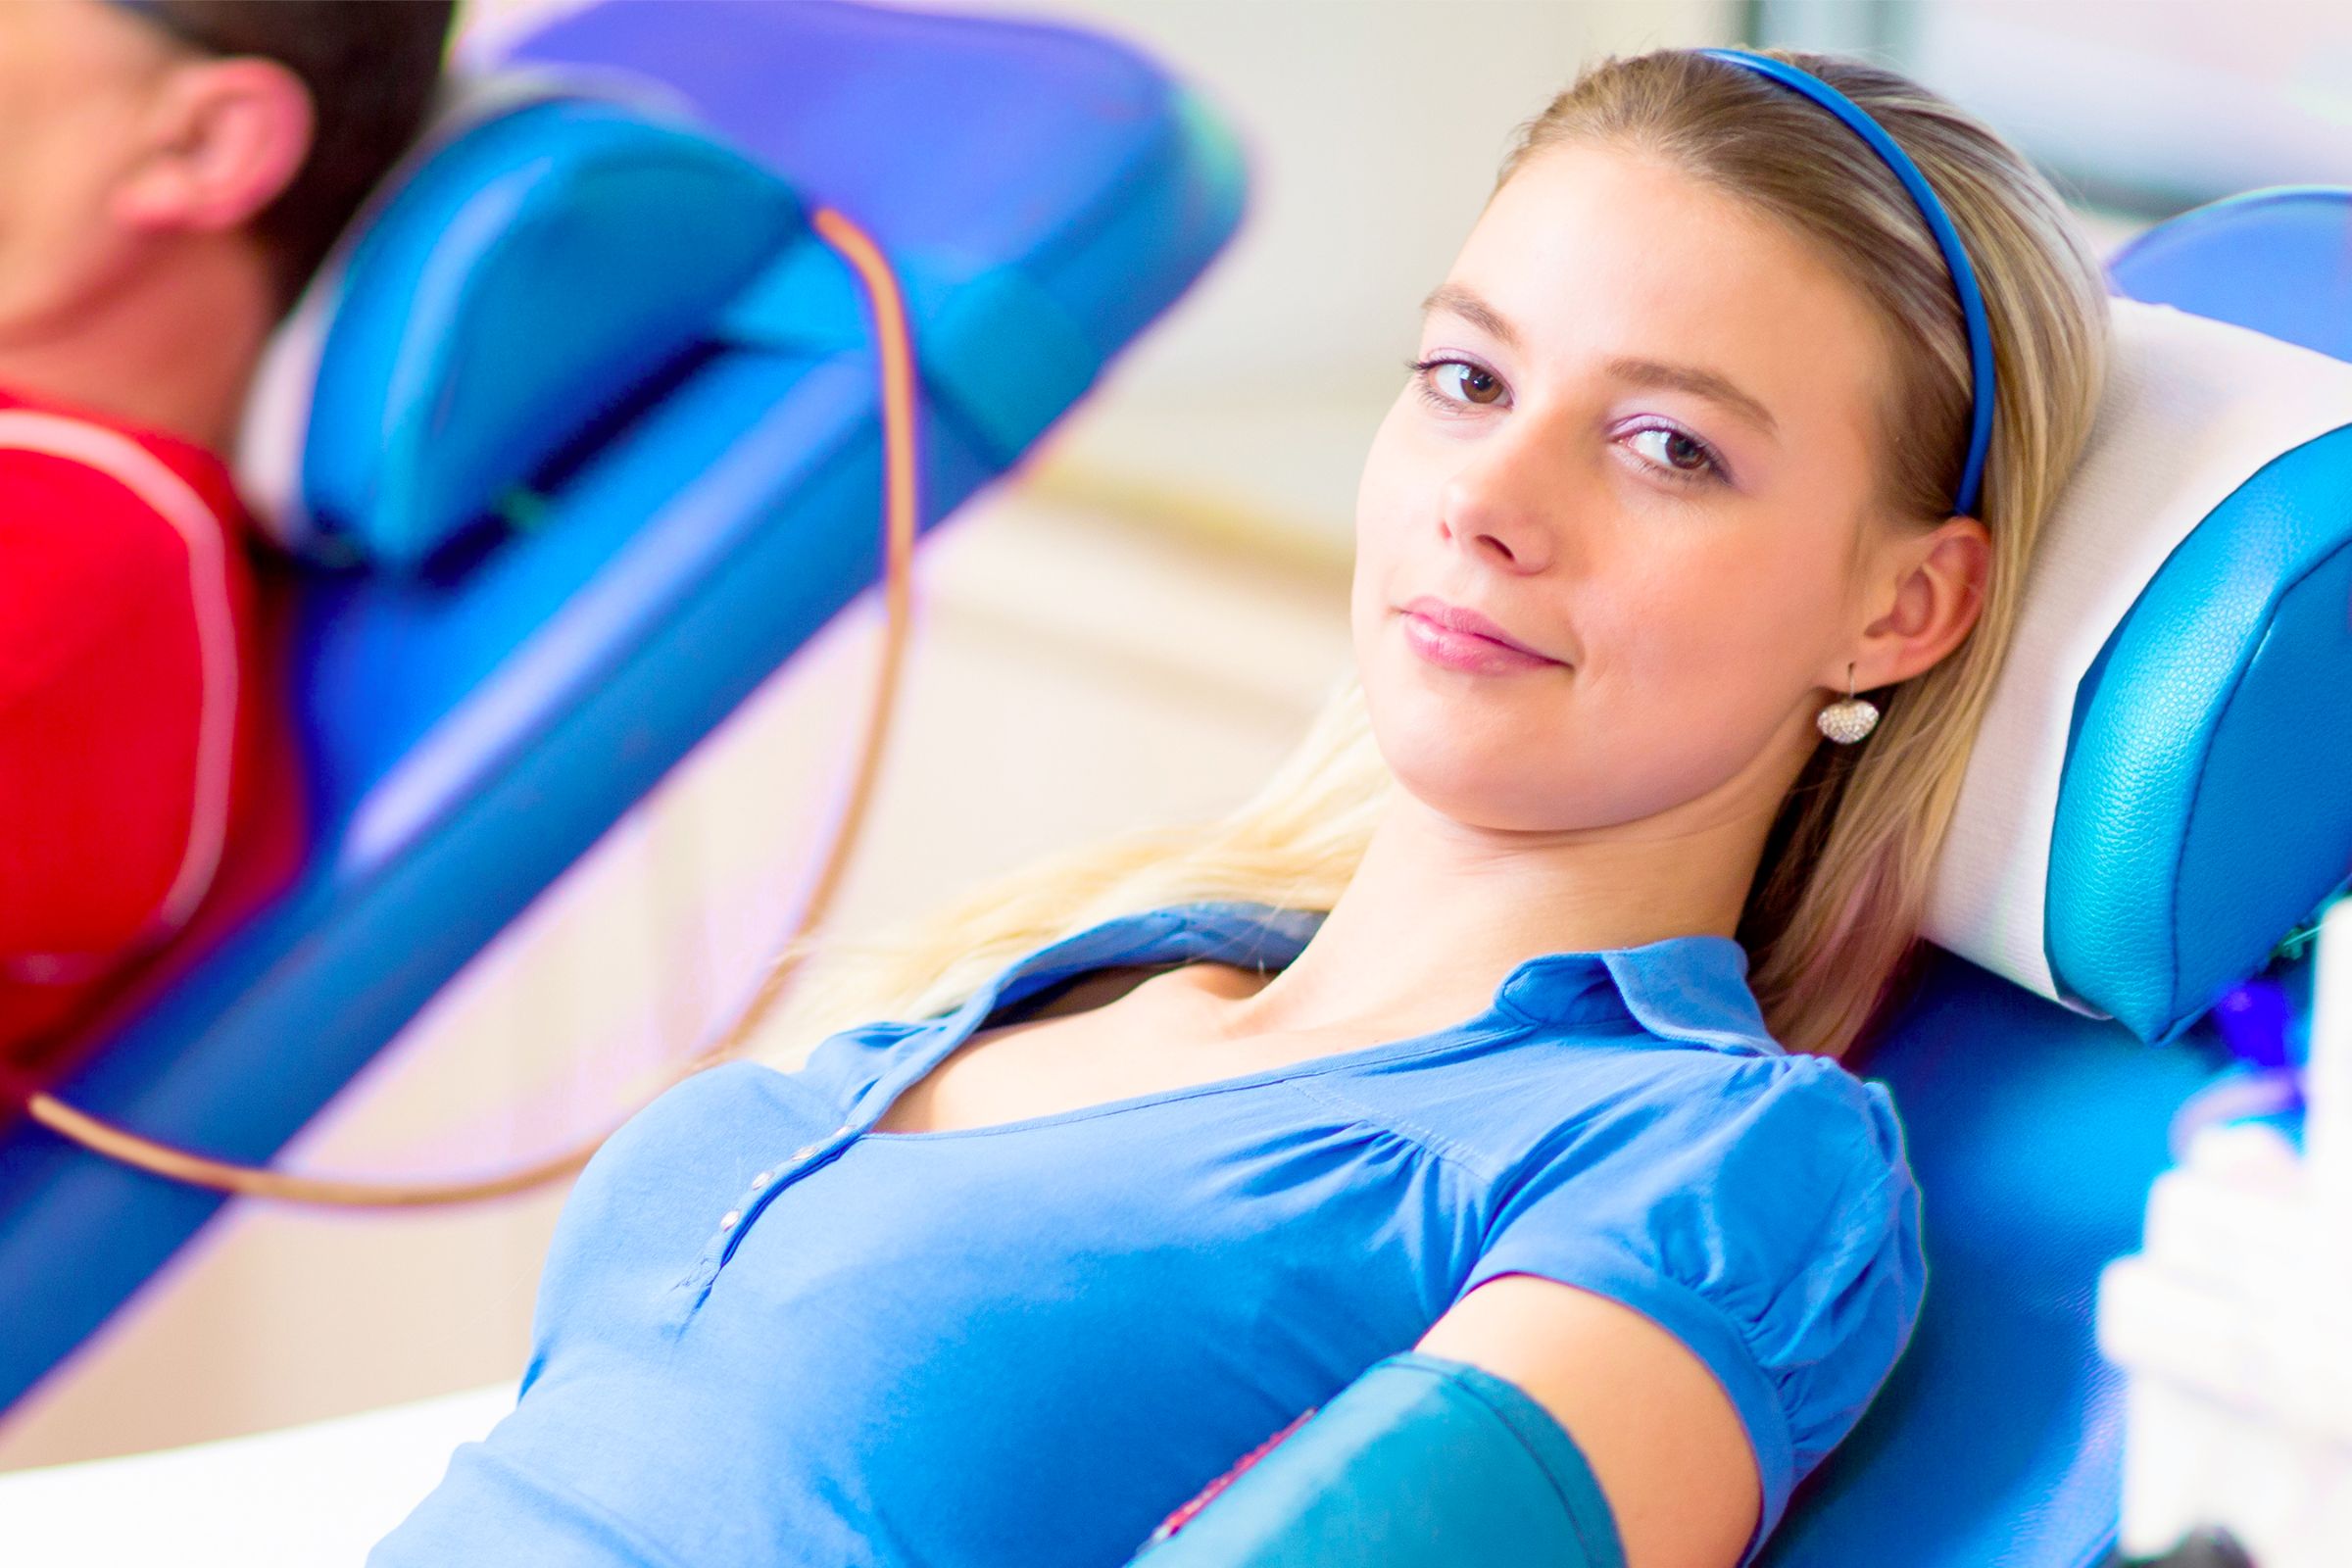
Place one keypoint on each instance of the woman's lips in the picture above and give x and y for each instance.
(1466, 651)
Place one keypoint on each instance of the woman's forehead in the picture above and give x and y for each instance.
(1592, 259)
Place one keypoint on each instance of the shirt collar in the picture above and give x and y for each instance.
(1691, 987)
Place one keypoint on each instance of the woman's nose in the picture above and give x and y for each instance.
(1503, 502)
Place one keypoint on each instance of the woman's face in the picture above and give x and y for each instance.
(1646, 449)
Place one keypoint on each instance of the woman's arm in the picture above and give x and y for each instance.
(1661, 1435)
(1534, 1425)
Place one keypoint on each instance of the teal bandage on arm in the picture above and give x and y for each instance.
(1422, 1463)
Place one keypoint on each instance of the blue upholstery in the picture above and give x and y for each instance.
(2034, 1133)
(468, 732)
(518, 287)
(2206, 737)
(2272, 260)
(2202, 812)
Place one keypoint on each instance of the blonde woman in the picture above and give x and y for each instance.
(1505, 1039)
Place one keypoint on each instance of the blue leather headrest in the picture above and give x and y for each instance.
(2163, 788)
(530, 267)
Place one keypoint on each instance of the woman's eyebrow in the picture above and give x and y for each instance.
(1639, 371)
(1470, 307)
(1699, 383)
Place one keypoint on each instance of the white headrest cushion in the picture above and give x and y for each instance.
(2194, 409)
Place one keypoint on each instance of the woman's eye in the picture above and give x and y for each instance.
(1681, 457)
(1455, 386)
(1453, 383)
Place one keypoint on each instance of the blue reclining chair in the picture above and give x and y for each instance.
(471, 726)
(2205, 810)
(476, 702)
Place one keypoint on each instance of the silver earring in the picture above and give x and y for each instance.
(1848, 719)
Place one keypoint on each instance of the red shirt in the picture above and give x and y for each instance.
(133, 708)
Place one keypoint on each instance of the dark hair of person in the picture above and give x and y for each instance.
(370, 68)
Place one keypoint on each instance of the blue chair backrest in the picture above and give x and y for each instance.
(465, 732)
(553, 243)
(2202, 815)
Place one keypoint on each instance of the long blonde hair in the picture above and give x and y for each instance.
(1834, 914)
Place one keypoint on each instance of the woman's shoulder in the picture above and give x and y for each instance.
(1805, 1103)
(1762, 1208)
(1594, 1101)
(1786, 1118)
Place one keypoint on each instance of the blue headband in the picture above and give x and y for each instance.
(1955, 256)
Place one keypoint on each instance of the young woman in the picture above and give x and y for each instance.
(1509, 1027)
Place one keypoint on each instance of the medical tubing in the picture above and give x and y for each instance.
(895, 350)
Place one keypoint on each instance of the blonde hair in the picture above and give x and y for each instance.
(1835, 910)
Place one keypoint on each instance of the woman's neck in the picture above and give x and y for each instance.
(1434, 919)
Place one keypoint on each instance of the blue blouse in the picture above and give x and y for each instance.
(766, 1335)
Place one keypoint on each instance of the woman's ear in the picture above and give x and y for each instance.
(1937, 584)
(228, 137)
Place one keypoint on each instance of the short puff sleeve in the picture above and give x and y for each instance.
(1762, 1210)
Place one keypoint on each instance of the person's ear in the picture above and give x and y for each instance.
(230, 135)
(1933, 591)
